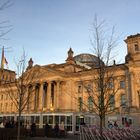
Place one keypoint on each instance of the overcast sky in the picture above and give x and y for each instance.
(46, 29)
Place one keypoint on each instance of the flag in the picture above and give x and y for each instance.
(5, 61)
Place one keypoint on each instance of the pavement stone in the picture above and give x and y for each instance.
(68, 137)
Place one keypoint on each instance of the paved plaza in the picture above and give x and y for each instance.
(68, 137)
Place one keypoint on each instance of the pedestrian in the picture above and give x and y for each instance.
(1, 125)
(115, 124)
(127, 124)
(62, 129)
(56, 130)
(33, 129)
(110, 125)
(47, 129)
(27, 129)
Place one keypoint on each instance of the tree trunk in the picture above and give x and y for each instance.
(18, 130)
(102, 125)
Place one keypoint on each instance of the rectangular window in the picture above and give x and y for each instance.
(56, 119)
(50, 120)
(112, 102)
(45, 120)
(90, 104)
(62, 119)
(69, 123)
(136, 47)
(122, 84)
(123, 101)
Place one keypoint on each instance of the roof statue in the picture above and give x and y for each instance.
(70, 58)
(30, 63)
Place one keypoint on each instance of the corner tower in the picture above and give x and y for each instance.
(133, 49)
(133, 74)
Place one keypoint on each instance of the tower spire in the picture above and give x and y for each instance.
(3, 59)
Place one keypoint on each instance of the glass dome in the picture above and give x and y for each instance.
(88, 59)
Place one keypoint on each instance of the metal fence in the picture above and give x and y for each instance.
(93, 133)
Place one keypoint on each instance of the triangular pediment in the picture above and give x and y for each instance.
(40, 73)
(69, 68)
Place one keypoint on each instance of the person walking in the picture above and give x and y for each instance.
(33, 129)
(47, 130)
(27, 129)
(62, 129)
(56, 130)
(1, 125)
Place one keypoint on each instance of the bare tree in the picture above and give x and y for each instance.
(4, 25)
(20, 91)
(104, 90)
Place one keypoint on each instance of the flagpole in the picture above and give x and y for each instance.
(2, 59)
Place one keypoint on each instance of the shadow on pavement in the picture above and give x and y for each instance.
(68, 137)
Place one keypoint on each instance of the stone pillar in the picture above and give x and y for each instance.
(57, 95)
(32, 98)
(49, 96)
(41, 121)
(128, 88)
(131, 90)
(41, 97)
(28, 102)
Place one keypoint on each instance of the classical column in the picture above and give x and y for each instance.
(32, 98)
(49, 95)
(27, 98)
(128, 88)
(57, 94)
(44, 100)
(41, 96)
(132, 98)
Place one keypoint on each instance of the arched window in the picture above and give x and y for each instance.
(123, 101)
(90, 103)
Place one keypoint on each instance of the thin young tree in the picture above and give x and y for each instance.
(19, 91)
(104, 90)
